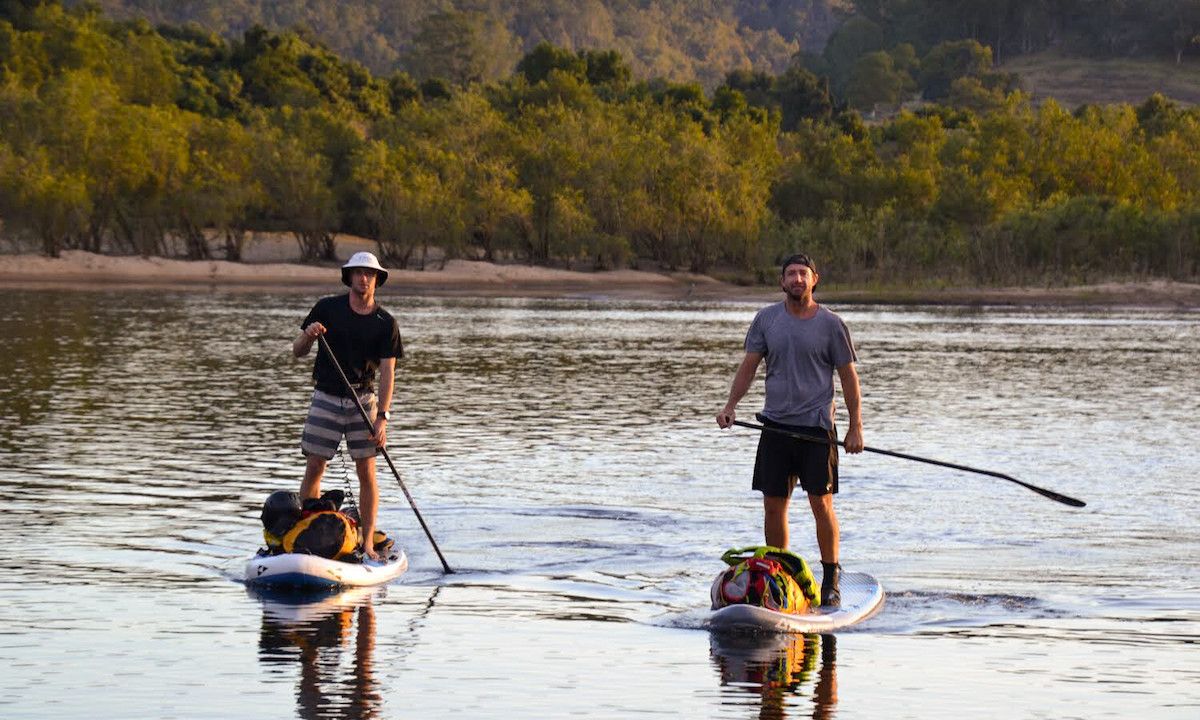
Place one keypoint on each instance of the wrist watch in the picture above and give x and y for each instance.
(386, 415)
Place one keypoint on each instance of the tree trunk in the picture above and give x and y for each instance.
(235, 242)
(316, 246)
(51, 246)
(483, 238)
(195, 242)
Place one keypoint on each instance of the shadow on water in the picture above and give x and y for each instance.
(780, 669)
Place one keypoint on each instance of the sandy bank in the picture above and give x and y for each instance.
(76, 269)
(81, 270)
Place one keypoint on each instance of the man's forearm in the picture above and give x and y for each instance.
(387, 382)
(302, 344)
(852, 394)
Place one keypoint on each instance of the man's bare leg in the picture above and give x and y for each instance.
(828, 540)
(368, 503)
(828, 536)
(314, 470)
(775, 521)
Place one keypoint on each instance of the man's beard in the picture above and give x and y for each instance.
(796, 294)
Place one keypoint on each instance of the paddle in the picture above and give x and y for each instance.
(367, 419)
(1057, 497)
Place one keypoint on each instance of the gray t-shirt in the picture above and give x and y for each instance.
(801, 357)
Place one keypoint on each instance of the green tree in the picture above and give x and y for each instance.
(545, 58)
(144, 66)
(1159, 115)
(552, 143)
(853, 39)
(466, 146)
(220, 190)
(802, 96)
(824, 172)
(874, 80)
(950, 61)
(131, 157)
(608, 69)
(988, 172)
(971, 94)
(298, 187)
(1176, 150)
(462, 47)
(50, 202)
(496, 207)
(405, 200)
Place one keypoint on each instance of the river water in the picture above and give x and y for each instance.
(565, 457)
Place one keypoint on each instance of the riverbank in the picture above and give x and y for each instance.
(81, 270)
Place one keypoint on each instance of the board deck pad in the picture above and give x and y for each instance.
(862, 596)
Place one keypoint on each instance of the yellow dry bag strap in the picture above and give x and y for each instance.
(733, 556)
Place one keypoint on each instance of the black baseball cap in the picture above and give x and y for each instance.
(797, 259)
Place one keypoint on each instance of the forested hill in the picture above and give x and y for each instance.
(677, 39)
(693, 40)
(120, 136)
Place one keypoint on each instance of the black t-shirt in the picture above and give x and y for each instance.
(358, 341)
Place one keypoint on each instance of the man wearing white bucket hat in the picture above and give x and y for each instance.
(366, 340)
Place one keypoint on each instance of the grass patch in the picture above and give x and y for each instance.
(1074, 81)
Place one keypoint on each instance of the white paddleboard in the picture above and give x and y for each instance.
(297, 570)
(862, 597)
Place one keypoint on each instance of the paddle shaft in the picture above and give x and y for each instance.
(362, 411)
(1057, 497)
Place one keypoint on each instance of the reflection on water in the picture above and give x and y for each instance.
(780, 668)
(331, 636)
(326, 639)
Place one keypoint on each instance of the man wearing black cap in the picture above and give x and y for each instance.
(803, 344)
(365, 339)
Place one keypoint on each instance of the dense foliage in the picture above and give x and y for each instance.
(683, 40)
(115, 136)
(872, 57)
(1101, 28)
(692, 39)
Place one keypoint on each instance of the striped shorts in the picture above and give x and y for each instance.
(331, 417)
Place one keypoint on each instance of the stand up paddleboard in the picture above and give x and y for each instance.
(862, 597)
(297, 570)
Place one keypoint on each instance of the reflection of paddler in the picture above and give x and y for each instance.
(778, 665)
(825, 695)
(303, 628)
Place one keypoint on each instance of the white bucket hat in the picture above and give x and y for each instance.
(363, 260)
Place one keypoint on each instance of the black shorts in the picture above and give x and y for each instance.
(781, 460)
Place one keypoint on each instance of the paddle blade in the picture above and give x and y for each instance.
(1057, 497)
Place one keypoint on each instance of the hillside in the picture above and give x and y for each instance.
(1074, 81)
(1112, 53)
(682, 40)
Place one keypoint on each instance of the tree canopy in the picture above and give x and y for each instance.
(119, 137)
